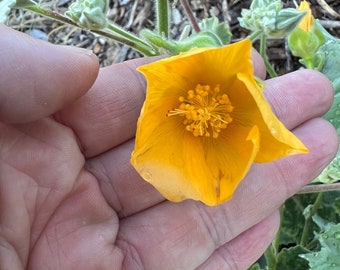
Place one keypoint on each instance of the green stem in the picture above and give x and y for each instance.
(162, 16)
(145, 50)
(309, 220)
(51, 14)
(271, 252)
(269, 67)
(137, 43)
(120, 31)
(253, 36)
(115, 33)
(276, 241)
(270, 255)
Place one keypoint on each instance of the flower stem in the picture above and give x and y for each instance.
(253, 36)
(138, 46)
(115, 33)
(51, 14)
(269, 67)
(271, 252)
(162, 16)
(126, 38)
(308, 223)
(319, 188)
(190, 15)
(271, 257)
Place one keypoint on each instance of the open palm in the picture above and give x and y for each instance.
(69, 198)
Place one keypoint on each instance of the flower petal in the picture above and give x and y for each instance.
(276, 140)
(208, 66)
(307, 20)
(182, 166)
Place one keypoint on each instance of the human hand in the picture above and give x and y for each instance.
(69, 198)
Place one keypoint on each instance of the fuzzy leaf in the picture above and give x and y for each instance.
(329, 255)
(293, 219)
(331, 67)
(221, 30)
(333, 115)
(5, 8)
(289, 259)
(331, 173)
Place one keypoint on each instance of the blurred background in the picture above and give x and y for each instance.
(134, 15)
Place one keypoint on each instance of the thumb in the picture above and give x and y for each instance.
(38, 78)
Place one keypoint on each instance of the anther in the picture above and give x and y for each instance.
(206, 111)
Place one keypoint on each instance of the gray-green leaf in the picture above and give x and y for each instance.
(221, 30)
(5, 8)
(329, 255)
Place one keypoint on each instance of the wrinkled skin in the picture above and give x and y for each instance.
(69, 199)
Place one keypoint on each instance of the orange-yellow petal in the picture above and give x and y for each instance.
(182, 162)
(182, 167)
(307, 20)
(276, 140)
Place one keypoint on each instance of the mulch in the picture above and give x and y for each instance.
(135, 15)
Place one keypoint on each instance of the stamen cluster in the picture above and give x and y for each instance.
(206, 111)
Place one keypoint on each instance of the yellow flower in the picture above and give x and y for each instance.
(307, 20)
(204, 122)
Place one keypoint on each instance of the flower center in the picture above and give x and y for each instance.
(206, 111)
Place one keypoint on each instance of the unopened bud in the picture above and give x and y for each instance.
(270, 18)
(90, 14)
(305, 40)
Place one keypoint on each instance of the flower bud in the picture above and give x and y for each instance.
(270, 18)
(90, 14)
(306, 39)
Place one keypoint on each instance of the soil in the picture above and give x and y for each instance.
(134, 15)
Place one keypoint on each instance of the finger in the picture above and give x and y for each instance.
(39, 165)
(111, 109)
(80, 234)
(258, 64)
(299, 96)
(38, 78)
(245, 249)
(121, 185)
(106, 116)
(196, 230)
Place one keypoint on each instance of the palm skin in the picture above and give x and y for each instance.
(69, 198)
